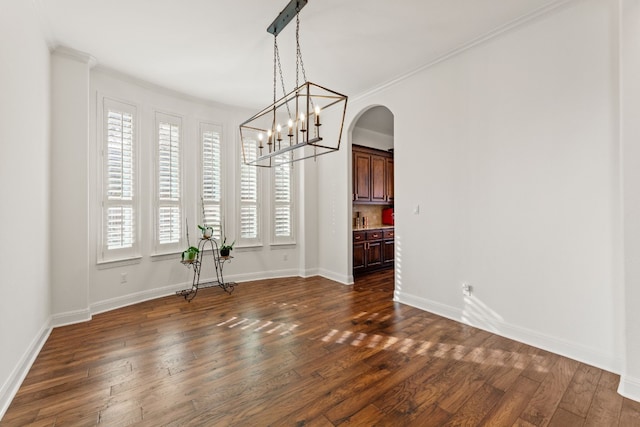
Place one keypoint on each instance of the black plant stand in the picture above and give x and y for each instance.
(218, 262)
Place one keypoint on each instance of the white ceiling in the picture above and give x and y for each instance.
(219, 49)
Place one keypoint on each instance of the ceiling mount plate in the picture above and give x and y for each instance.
(286, 16)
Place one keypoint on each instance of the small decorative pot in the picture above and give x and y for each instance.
(207, 233)
(224, 252)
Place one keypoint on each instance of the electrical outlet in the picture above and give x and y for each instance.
(123, 278)
(285, 257)
(466, 289)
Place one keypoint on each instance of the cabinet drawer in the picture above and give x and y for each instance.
(359, 236)
(374, 235)
(388, 234)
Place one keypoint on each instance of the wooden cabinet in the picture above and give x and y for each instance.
(372, 250)
(388, 249)
(389, 179)
(361, 177)
(372, 176)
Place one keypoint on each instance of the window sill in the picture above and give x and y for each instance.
(120, 262)
(283, 245)
(165, 256)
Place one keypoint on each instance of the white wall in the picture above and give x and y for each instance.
(24, 183)
(510, 150)
(630, 133)
(69, 188)
(373, 139)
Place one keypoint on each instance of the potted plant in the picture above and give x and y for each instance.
(190, 254)
(207, 232)
(226, 249)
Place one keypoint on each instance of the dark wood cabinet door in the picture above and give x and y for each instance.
(378, 179)
(389, 179)
(374, 254)
(361, 177)
(388, 252)
(359, 256)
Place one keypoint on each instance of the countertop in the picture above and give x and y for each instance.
(374, 227)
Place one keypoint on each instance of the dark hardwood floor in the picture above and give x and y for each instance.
(312, 352)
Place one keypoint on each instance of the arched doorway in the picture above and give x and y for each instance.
(372, 146)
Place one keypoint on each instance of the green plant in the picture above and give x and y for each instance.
(190, 254)
(224, 245)
(207, 231)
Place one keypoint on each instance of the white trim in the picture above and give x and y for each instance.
(485, 37)
(309, 272)
(70, 318)
(12, 384)
(629, 387)
(262, 275)
(550, 343)
(136, 298)
(336, 277)
(76, 55)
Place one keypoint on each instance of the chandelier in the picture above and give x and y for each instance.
(304, 123)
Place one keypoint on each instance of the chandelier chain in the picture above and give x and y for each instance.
(276, 60)
(299, 61)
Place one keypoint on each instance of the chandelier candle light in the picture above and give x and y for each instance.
(303, 111)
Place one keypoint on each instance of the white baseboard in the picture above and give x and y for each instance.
(550, 343)
(310, 272)
(70, 317)
(340, 278)
(274, 274)
(136, 297)
(12, 384)
(629, 387)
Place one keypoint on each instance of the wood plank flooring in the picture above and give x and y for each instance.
(312, 352)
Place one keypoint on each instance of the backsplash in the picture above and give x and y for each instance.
(373, 213)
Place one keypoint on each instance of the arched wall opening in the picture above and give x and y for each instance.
(371, 130)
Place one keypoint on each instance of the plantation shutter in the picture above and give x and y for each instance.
(118, 237)
(282, 215)
(169, 185)
(249, 225)
(120, 220)
(211, 178)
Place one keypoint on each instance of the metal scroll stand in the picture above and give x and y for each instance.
(218, 262)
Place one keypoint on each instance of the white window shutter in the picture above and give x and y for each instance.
(282, 200)
(169, 183)
(211, 173)
(119, 176)
(249, 197)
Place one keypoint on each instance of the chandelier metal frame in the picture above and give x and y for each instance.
(288, 130)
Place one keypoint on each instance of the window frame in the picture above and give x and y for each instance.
(104, 254)
(178, 246)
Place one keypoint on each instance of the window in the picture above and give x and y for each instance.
(249, 199)
(119, 231)
(211, 177)
(169, 185)
(282, 200)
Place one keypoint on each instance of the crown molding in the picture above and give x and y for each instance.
(75, 55)
(483, 38)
